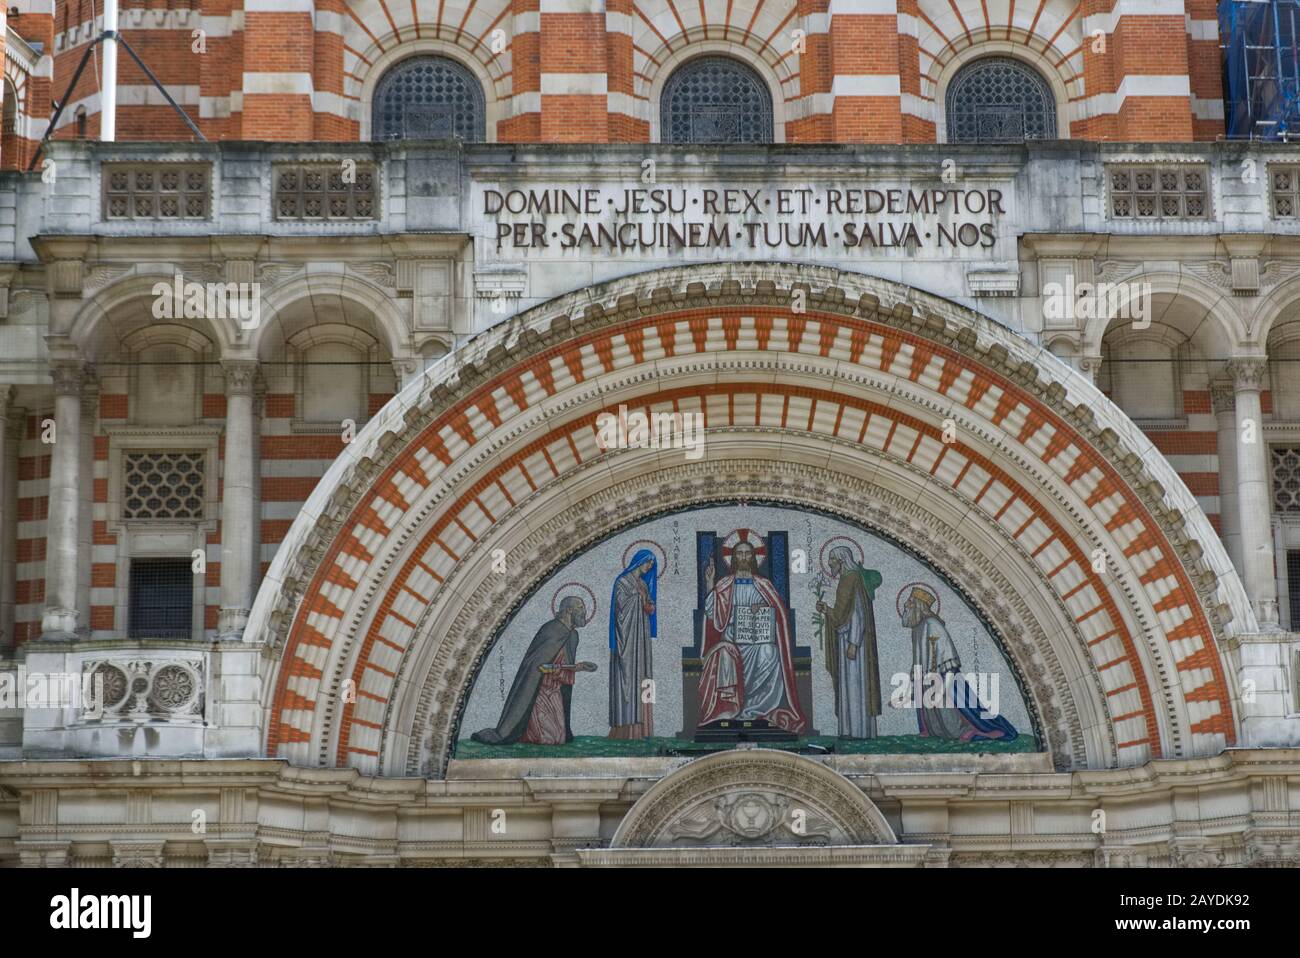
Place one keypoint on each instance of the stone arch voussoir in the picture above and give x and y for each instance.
(383, 579)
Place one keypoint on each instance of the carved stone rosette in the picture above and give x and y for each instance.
(753, 797)
(141, 690)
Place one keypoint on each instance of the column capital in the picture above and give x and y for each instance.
(1223, 397)
(71, 376)
(89, 396)
(1247, 372)
(241, 376)
(16, 416)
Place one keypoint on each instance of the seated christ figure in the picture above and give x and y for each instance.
(747, 667)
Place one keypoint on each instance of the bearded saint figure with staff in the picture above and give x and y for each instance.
(849, 644)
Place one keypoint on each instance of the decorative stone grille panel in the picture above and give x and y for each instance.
(716, 100)
(163, 485)
(171, 191)
(1159, 192)
(999, 100)
(1285, 184)
(1286, 478)
(143, 689)
(325, 191)
(429, 98)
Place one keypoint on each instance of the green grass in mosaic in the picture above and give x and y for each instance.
(588, 746)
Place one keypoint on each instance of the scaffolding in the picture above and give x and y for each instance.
(1261, 66)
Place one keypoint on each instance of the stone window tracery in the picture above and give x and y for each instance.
(163, 485)
(325, 191)
(716, 99)
(1286, 478)
(1285, 184)
(1158, 192)
(999, 100)
(166, 191)
(429, 98)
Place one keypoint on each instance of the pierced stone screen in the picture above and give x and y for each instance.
(163, 485)
(325, 192)
(1159, 192)
(1286, 478)
(155, 191)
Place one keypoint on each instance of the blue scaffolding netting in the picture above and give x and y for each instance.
(1261, 68)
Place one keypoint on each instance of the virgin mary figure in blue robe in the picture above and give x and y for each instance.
(632, 625)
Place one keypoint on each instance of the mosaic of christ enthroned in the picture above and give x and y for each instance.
(759, 624)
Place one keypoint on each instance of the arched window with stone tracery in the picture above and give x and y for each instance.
(429, 98)
(715, 99)
(999, 100)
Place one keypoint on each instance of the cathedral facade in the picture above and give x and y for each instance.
(618, 432)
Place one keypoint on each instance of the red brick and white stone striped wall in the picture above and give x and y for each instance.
(590, 70)
(33, 509)
(28, 67)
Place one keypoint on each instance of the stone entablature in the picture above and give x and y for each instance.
(434, 244)
(983, 810)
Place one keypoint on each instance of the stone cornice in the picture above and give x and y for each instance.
(1231, 765)
(190, 250)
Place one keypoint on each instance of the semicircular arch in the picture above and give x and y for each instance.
(385, 582)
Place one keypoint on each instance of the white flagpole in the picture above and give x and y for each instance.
(108, 85)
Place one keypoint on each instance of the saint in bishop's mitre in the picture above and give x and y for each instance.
(748, 661)
(962, 717)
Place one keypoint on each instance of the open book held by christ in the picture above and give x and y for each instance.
(753, 625)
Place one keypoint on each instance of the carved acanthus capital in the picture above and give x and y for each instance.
(71, 377)
(1247, 373)
(16, 417)
(1223, 397)
(241, 376)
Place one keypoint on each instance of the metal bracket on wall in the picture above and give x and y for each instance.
(72, 85)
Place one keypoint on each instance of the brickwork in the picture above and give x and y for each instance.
(870, 71)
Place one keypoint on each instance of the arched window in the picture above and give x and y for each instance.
(428, 98)
(9, 124)
(715, 100)
(999, 100)
(9, 153)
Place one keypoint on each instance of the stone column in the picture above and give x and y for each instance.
(1253, 501)
(238, 515)
(1223, 398)
(61, 615)
(86, 509)
(10, 423)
